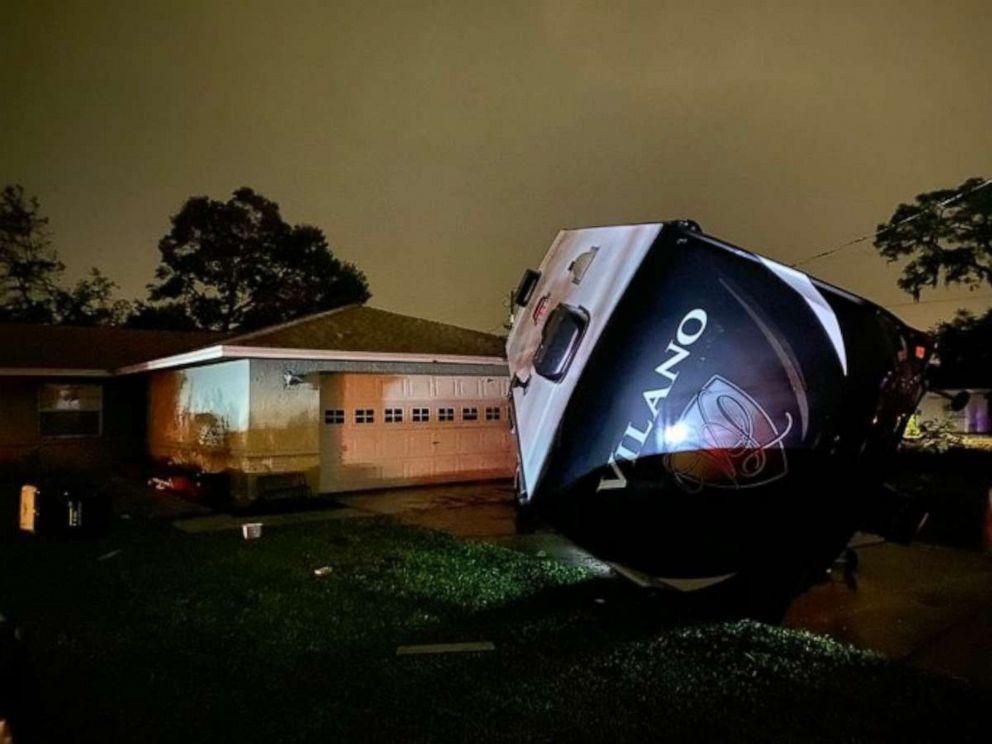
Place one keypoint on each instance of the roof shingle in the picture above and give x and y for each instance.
(360, 328)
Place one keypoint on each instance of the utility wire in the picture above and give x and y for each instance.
(949, 299)
(863, 238)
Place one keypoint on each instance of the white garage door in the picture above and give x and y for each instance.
(383, 430)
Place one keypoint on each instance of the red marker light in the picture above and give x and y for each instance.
(541, 308)
(921, 352)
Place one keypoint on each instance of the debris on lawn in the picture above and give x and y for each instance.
(445, 648)
(251, 530)
(323, 571)
(111, 554)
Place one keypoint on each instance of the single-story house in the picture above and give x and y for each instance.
(62, 404)
(353, 398)
(974, 418)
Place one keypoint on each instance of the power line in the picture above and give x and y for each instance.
(863, 238)
(950, 299)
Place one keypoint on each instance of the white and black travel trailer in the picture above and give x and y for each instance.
(701, 414)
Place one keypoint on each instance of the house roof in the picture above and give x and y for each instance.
(45, 349)
(360, 328)
(354, 332)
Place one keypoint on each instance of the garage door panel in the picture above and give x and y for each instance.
(493, 388)
(420, 443)
(360, 446)
(446, 441)
(470, 440)
(419, 468)
(394, 388)
(492, 438)
(419, 388)
(356, 456)
(446, 388)
(447, 465)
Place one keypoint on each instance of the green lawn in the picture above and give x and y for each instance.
(209, 638)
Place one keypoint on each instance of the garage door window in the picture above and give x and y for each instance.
(394, 416)
(492, 413)
(334, 416)
(470, 414)
(445, 414)
(364, 416)
(70, 410)
(421, 415)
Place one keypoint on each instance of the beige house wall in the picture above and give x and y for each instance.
(283, 432)
(199, 416)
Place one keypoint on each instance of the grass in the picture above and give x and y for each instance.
(209, 638)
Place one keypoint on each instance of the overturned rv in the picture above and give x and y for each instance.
(703, 415)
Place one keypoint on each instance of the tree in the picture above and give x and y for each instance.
(964, 346)
(91, 302)
(30, 272)
(238, 265)
(949, 239)
(29, 268)
(169, 316)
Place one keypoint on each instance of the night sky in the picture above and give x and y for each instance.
(441, 145)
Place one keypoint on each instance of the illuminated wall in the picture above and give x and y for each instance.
(284, 435)
(199, 416)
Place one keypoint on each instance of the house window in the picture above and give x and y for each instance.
(492, 413)
(470, 414)
(394, 416)
(421, 415)
(445, 414)
(364, 416)
(70, 410)
(334, 416)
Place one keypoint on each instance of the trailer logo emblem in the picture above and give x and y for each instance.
(726, 440)
(628, 449)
